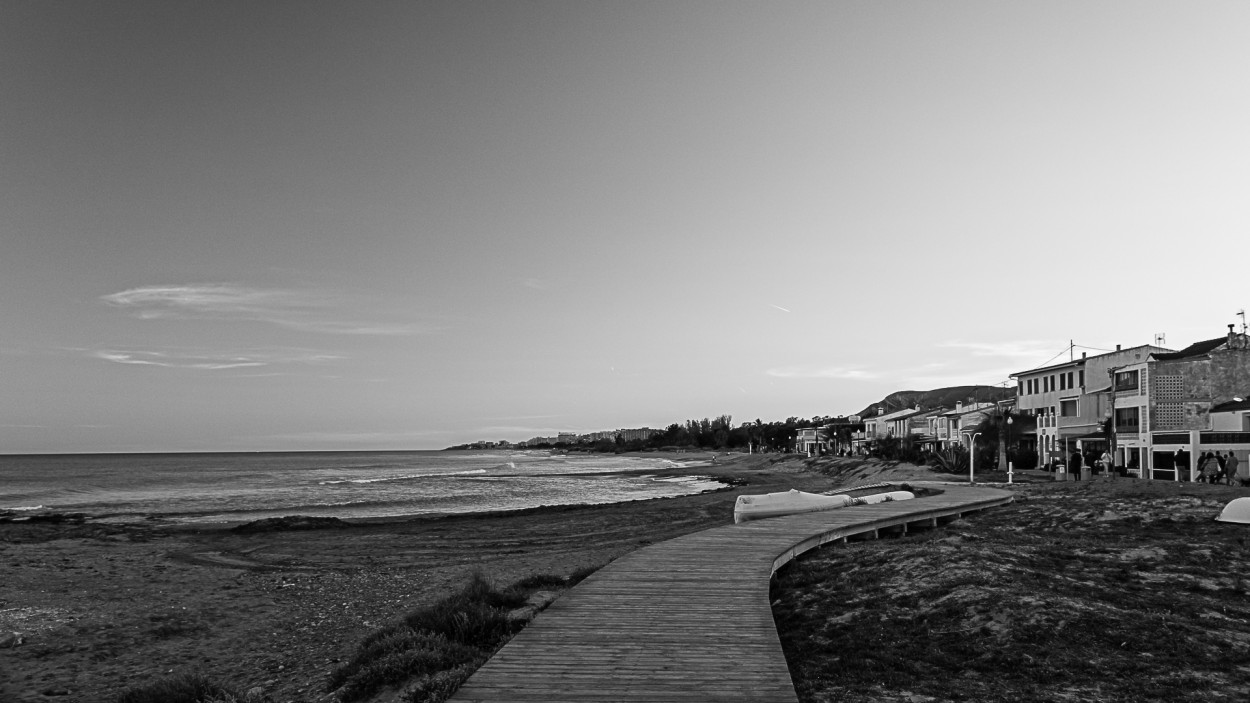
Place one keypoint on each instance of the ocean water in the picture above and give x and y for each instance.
(208, 488)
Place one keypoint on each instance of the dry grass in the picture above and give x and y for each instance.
(1118, 591)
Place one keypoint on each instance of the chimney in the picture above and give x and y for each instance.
(1083, 355)
(1231, 336)
(1117, 347)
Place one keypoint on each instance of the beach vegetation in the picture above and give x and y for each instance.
(181, 688)
(1112, 591)
(431, 651)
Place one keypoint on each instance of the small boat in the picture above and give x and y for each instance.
(788, 503)
(793, 502)
(1238, 510)
(884, 497)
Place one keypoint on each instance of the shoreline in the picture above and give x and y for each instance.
(105, 606)
(169, 521)
(694, 469)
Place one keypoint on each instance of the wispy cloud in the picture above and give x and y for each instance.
(778, 307)
(303, 310)
(210, 361)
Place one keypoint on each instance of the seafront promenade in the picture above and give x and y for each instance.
(689, 619)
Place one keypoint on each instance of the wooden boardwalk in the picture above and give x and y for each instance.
(688, 619)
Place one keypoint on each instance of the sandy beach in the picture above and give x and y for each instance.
(103, 607)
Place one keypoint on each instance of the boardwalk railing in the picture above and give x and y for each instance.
(688, 619)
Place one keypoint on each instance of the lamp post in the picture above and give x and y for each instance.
(972, 455)
(1007, 442)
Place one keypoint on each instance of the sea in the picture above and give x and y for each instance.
(241, 487)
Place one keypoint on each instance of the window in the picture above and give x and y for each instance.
(1127, 419)
(1063, 382)
(1126, 380)
(1081, 376)
(1068, 408)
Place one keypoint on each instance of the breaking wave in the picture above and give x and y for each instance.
(410, 477)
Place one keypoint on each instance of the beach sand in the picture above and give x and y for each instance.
(102, 608)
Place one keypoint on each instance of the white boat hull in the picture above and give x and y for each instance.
(793, 502)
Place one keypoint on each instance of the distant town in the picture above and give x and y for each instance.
(1148, 408)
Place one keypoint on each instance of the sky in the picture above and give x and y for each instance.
(253, 226)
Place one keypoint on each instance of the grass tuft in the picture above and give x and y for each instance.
(432, 651)
(182, 688)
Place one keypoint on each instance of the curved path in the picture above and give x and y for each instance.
(688, 619)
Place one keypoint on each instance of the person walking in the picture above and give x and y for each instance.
(1182, 465)
(1106, 462)
(1210, 467)
(1230, 468)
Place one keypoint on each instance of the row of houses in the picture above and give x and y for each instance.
(933, 428)
(1141, 404)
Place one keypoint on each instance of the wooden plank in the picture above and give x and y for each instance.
(688, 619)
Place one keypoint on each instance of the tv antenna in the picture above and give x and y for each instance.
(1160, 339)
(1242, 314)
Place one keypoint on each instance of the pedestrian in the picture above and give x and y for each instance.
(1106, 462)
(1182, 465)
(1210, 467)
(1230, 468)
(1074, 466)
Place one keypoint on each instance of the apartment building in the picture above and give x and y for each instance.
(1071, 400)
(1193, 399)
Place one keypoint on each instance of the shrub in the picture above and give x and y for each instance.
(181, 688)
(435, 649)
(951, 460)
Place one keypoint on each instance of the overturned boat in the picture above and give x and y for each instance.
(792, 502)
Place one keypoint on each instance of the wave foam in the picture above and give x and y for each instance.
(410, 477)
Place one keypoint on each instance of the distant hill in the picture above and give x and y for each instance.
(941, 397)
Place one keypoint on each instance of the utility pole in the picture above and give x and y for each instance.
(1002, 438)
(1111, 420)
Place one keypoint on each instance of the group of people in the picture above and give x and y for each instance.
(1213, 467)
(1097, 463)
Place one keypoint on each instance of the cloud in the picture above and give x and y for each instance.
(305, 311)
(843, 372)
(210, 361)
(778, 307)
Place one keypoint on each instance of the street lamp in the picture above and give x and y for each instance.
(972, 455)
(1007, 442)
